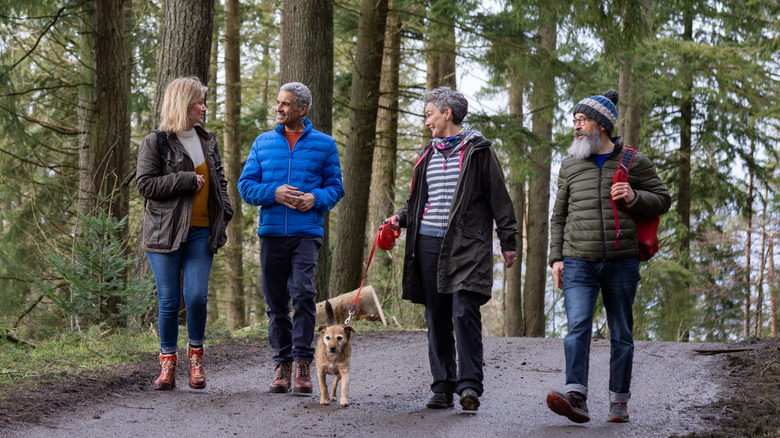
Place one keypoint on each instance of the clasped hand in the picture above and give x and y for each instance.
(291, 197)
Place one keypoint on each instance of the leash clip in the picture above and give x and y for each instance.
(349, 317)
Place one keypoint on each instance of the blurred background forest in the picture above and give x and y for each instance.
(81, 83)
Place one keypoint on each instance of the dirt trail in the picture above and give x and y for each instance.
(389, 387)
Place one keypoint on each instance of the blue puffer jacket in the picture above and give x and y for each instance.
(312, 166)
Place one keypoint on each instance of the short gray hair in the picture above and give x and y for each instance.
(301, 93)
(445, 97)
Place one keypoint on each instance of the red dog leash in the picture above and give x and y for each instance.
(385, 239)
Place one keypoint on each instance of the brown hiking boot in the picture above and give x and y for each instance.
(302, 376)
(283, 378)
(167, 379)
(197, 374)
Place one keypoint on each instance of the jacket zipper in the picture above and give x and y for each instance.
(601, 217)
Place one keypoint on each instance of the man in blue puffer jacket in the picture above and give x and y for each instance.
(293, 174)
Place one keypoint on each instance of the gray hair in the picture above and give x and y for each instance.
(301, 93)
(445, 97)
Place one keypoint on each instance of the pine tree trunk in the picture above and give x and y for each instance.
(359, 152)
(306, 54)
(441, 48)
(542, 106)
(761, 268)
(215, 294)
(513, 311)
(185, 44)
(381, 200)
(748, 253)
(772, 286)
(109, 135)
(234, 262)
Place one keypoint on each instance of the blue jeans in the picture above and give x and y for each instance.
(617, 279)
(288, 266)
(183, 272)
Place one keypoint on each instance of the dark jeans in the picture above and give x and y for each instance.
(183, 272)
(458, 310)
(617, 280)
(288, 266)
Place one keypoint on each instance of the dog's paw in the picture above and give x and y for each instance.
(324, 401)
(344, 403)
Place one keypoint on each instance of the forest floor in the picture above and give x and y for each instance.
(676, 392)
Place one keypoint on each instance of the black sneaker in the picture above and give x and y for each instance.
(571, 405)
(440, 400)
(618, 413)
(469, 400)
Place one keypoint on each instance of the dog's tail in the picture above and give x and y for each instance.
(329, 313)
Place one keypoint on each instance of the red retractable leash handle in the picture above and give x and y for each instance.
(385, 239)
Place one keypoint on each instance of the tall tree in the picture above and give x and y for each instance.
(359, 151)
(381, 201)
(234, 262)
(306, 55)
(185, 44)
(542, 106)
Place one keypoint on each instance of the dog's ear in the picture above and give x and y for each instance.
(322, 327)
(348, 330)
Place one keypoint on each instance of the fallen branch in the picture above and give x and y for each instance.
(11, 338)
(722, 350)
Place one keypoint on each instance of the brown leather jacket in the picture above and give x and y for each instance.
(168, 187)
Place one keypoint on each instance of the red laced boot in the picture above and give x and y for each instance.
(167, 379)
(282, 378)
(302, 376)
(197, 374)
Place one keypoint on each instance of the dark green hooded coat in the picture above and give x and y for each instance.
(583, 224)
(466, 259)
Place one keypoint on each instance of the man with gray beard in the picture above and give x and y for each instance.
(588, 254)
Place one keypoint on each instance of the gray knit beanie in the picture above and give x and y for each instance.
(602, 109)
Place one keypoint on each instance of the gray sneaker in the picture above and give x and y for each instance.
(618, 413)
(571, 405)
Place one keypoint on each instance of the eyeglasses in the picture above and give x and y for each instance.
(581, 121)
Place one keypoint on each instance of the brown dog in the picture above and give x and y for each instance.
(332, 357)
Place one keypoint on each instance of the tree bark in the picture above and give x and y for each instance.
(513, 310)
(381, 201)
(542, 106)
(772, 286)
(185, 44)
(234, 262)
(761, 268)
(215, 295)
(359, 152)
(441, 47)
(748, 252)
(306, 56)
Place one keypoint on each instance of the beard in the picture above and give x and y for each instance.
(584, 147)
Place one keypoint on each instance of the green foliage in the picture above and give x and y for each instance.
(91, 286)
(68, 353)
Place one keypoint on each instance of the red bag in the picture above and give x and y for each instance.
(646, 226)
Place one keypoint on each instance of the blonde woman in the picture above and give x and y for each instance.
(186, 211)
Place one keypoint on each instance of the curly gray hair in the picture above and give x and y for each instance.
(445, 97)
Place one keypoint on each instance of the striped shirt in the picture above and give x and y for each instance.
(442, 176)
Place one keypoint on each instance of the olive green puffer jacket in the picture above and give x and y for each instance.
(583, 224)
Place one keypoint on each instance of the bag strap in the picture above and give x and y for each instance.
(163, 146)
(624, 166)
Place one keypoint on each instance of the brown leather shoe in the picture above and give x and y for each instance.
(302, 376)
(167, 379)
(197, 373)
(283, 378)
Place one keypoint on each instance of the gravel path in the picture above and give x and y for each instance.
(389, 387)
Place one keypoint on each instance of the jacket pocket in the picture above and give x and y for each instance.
(159, 224)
